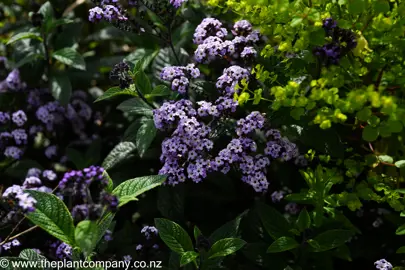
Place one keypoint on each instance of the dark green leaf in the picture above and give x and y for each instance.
(283, 244)
(401, 250)
(317, 37)
(31, 57)
(275, 223)
(142, 83)
(135, 106)
(141, 56)
(197, 233)
(24, 35)
(228, 230)
(304, 220)
(52, 215)
(332, 239)
(188, 257)
(70, 57)
(145, 136)
(357, 6)
(58, 22)
(115, 91)
(132, 130)
(19, 169)
(159, 91)
(118, 154)
(381, 6)
(170, 202)
(103, 224)
(47, 11)
(31, 255)
(174, 236)
(370, 133)
(76, 157)
(225, 247)
(131, 189)
(110, 185)
(61, 88)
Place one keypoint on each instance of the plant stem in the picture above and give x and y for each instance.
(143, 98)
(19, 234)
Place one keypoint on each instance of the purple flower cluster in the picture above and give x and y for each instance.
(343, 41)
(180, 77)
(187, 153)
(148, 231)
(13, 143)
(10, 244)
(13, 81)
(210, 38)
(230, 78)
(52, 119)
(75, 184)
(110, 12)
(177, 3)
(16, 193)
(383, 264)
(64, 251)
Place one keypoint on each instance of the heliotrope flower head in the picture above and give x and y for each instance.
(19, 118)
(96, 14)
(120, 73)
(64, 251)
(4, 117)
(13, 152)
(177, 3)
(179, 76)
(13, 80)
(242, 28)
(148, 231)
(383, 264)
(209, 27)
(329, 24)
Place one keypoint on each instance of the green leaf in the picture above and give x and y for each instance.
(282, 244)
(61, 88)
(86, 236)
(103, 224)
(115, 91)
(29, 58)
(141, 58)
(130, 189)
(401, 250)
(197, 233)
(132, 130)
(188, 257)
(317, 37)
(274, 222)
(142, 83)
(118, 154)
(304, 220)
(174, 236)
(145, 136)
(159, 91)
(110, 185)
(46, 10)
(370, 133)
(364, 114)
(225, 247)
(24, 35)
(76, 157)
(381, 6)
(400, 164)
(55, 23)
(52, 215)
(386, 159)
(19, 169)
(31, 255)
(400, 230)
(357, 6)
(228, 230)
(331, 239)
(70, 57)
(136, 106)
